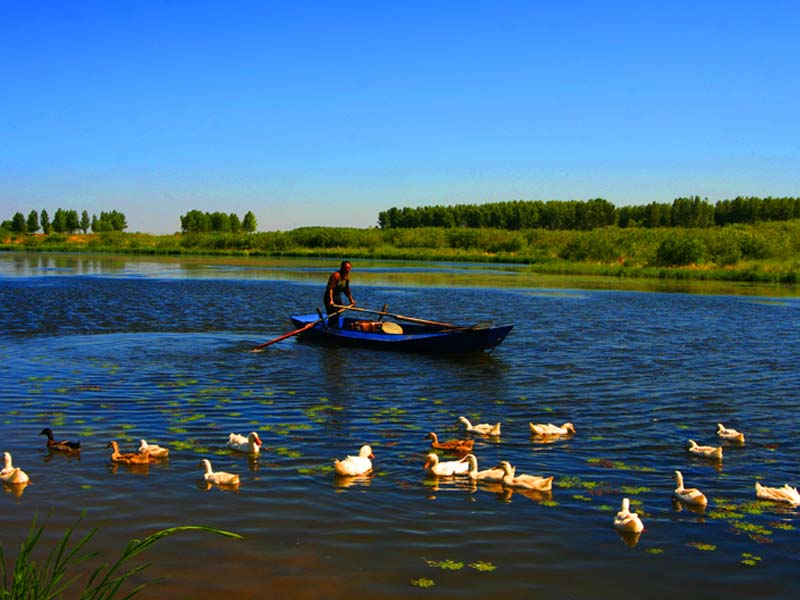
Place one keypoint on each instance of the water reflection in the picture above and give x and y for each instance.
(629, 537)
(368, 272)
(340, 481)
(15, 489)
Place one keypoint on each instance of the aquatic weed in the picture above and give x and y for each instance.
(751, 560)
(702, 546)
(446, 565)
(750, 528)
(481, 565)
(423, 582)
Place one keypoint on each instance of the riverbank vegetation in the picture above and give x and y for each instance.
(763, 252)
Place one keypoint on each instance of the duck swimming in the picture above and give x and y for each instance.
(691, 496)
(355, 465)
(250, 444)
(550, 429)
(525, 482)
(446, 468)
(713, 452)
(626, 521)
(10, 474)
(494, 475)
(218, 477)
(730, 435)
(457, 446)
(785, 494)
(153, 450)
(63, 446)
(128, 458)
(480, 428)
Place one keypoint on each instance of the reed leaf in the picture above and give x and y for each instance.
(51, 579)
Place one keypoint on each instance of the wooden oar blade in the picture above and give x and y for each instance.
(305, 327)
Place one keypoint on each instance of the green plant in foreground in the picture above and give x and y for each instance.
(31, 580)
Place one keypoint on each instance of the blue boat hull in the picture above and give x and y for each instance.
(415, 338)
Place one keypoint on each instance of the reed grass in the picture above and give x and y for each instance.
(30, 579)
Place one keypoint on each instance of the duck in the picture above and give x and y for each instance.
(457, 446)
(494, 475)
(218, 477)
(786, 494)
(355, 465)
(525, 482)
(10, 474)
(250, 444)
(730, 435)
(550, 429)
(627, 521)
(63, 446)
(713, 452)
(480, 428)
(128, 458)
(691, 496)
(153, 450)
(446, 468)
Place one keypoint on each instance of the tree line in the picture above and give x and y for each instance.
(65, 221)
(591, 214)
(196, 221)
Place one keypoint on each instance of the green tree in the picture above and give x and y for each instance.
(60, 221)
(85, 222)
(33, 222)
(18, 224)
(45, 220)
(249, 224)
(73, 223)
(235, 223)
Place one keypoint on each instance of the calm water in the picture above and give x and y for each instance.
(120, 348)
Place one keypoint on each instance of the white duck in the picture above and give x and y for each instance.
(713, 452)
(730, 434)
(153, 450)
(446, 468)
(494, 475)
(786, 494)
(525, 482)
(480, 428)
(218, 477)
(355, 465)
(550, 429)
(627, 521)
(11, 474)
(691, 496)
(250, 444)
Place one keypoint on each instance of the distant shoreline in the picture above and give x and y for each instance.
(759, 253)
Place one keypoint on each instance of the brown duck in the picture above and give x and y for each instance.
(129, 458)
(457, 446)
(63, 446)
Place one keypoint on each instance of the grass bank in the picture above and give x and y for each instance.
(764, 252)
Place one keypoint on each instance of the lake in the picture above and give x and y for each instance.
(103, 348)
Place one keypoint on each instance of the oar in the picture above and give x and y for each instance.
(398, 317)
(296, 331)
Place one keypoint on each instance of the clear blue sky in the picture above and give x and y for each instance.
(326, 113)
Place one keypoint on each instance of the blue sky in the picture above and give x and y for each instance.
(326, 113)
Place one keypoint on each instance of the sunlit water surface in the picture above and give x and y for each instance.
(122, 349)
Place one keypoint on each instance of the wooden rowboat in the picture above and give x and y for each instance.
(388, 335)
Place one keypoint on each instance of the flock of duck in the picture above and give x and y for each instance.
(465, 465)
